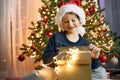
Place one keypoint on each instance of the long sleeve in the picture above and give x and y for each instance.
(49, 51)
(95, 63)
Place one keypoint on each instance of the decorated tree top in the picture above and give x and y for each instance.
(97, 29)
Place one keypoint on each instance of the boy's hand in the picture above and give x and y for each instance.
(95, 51)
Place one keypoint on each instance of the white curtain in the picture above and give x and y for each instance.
(15, 18)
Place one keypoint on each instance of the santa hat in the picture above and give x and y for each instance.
(70, 8)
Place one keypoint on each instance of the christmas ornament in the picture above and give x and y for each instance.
(92, 33)
(83, 3)
(21, 57)
(92, 8)
(102, 20)
(56, 1)
(114, 60)
(105, 30)
(62, 3)
(88, 18)
(87, 13)
(103, 58)
(45, 20)
(95, 23)
(37, 35)
(45, 10)
(33, 47)
(48, 33)
(101, 34)
(32, 34)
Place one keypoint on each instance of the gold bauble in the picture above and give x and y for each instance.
(83, 3)
(101, 34)
(95, 23)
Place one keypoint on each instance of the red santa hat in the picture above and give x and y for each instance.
(71, 6)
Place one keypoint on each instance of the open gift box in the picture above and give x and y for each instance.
(74, 65)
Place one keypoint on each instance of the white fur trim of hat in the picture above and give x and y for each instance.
(70, 8)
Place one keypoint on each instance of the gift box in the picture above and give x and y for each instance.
(74, 63)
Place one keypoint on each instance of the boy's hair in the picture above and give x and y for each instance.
(75, 15)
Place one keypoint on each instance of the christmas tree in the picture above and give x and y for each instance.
(97, 30)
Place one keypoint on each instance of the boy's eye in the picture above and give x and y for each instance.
(65, 21)
(68, 21)
(73, 20)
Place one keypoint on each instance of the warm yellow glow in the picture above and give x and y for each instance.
(61, 62)
(69, 65)
(42, 43)
(33, 55)
(43, 12)
(55, 57)
(30, 43)
(48, 13)
(57, 69)
(41, 31)
(36, 24)
(74, 57)
(37, 35)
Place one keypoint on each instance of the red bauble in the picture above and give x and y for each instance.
(48, 33)
(87, 13)
(45, 20)
(32, 34)
(104, 29)
(102, 20)
(92, 8)
(21, 57)
(33, 47)
(103, 58)
(62, 3)
(45, 10)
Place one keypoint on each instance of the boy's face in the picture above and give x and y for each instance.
(70, 22)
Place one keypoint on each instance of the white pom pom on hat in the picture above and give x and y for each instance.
(70, 8)
(81, 30)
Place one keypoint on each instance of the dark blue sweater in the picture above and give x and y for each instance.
(58, 40)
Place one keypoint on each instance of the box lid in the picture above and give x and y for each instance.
(81, 56)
